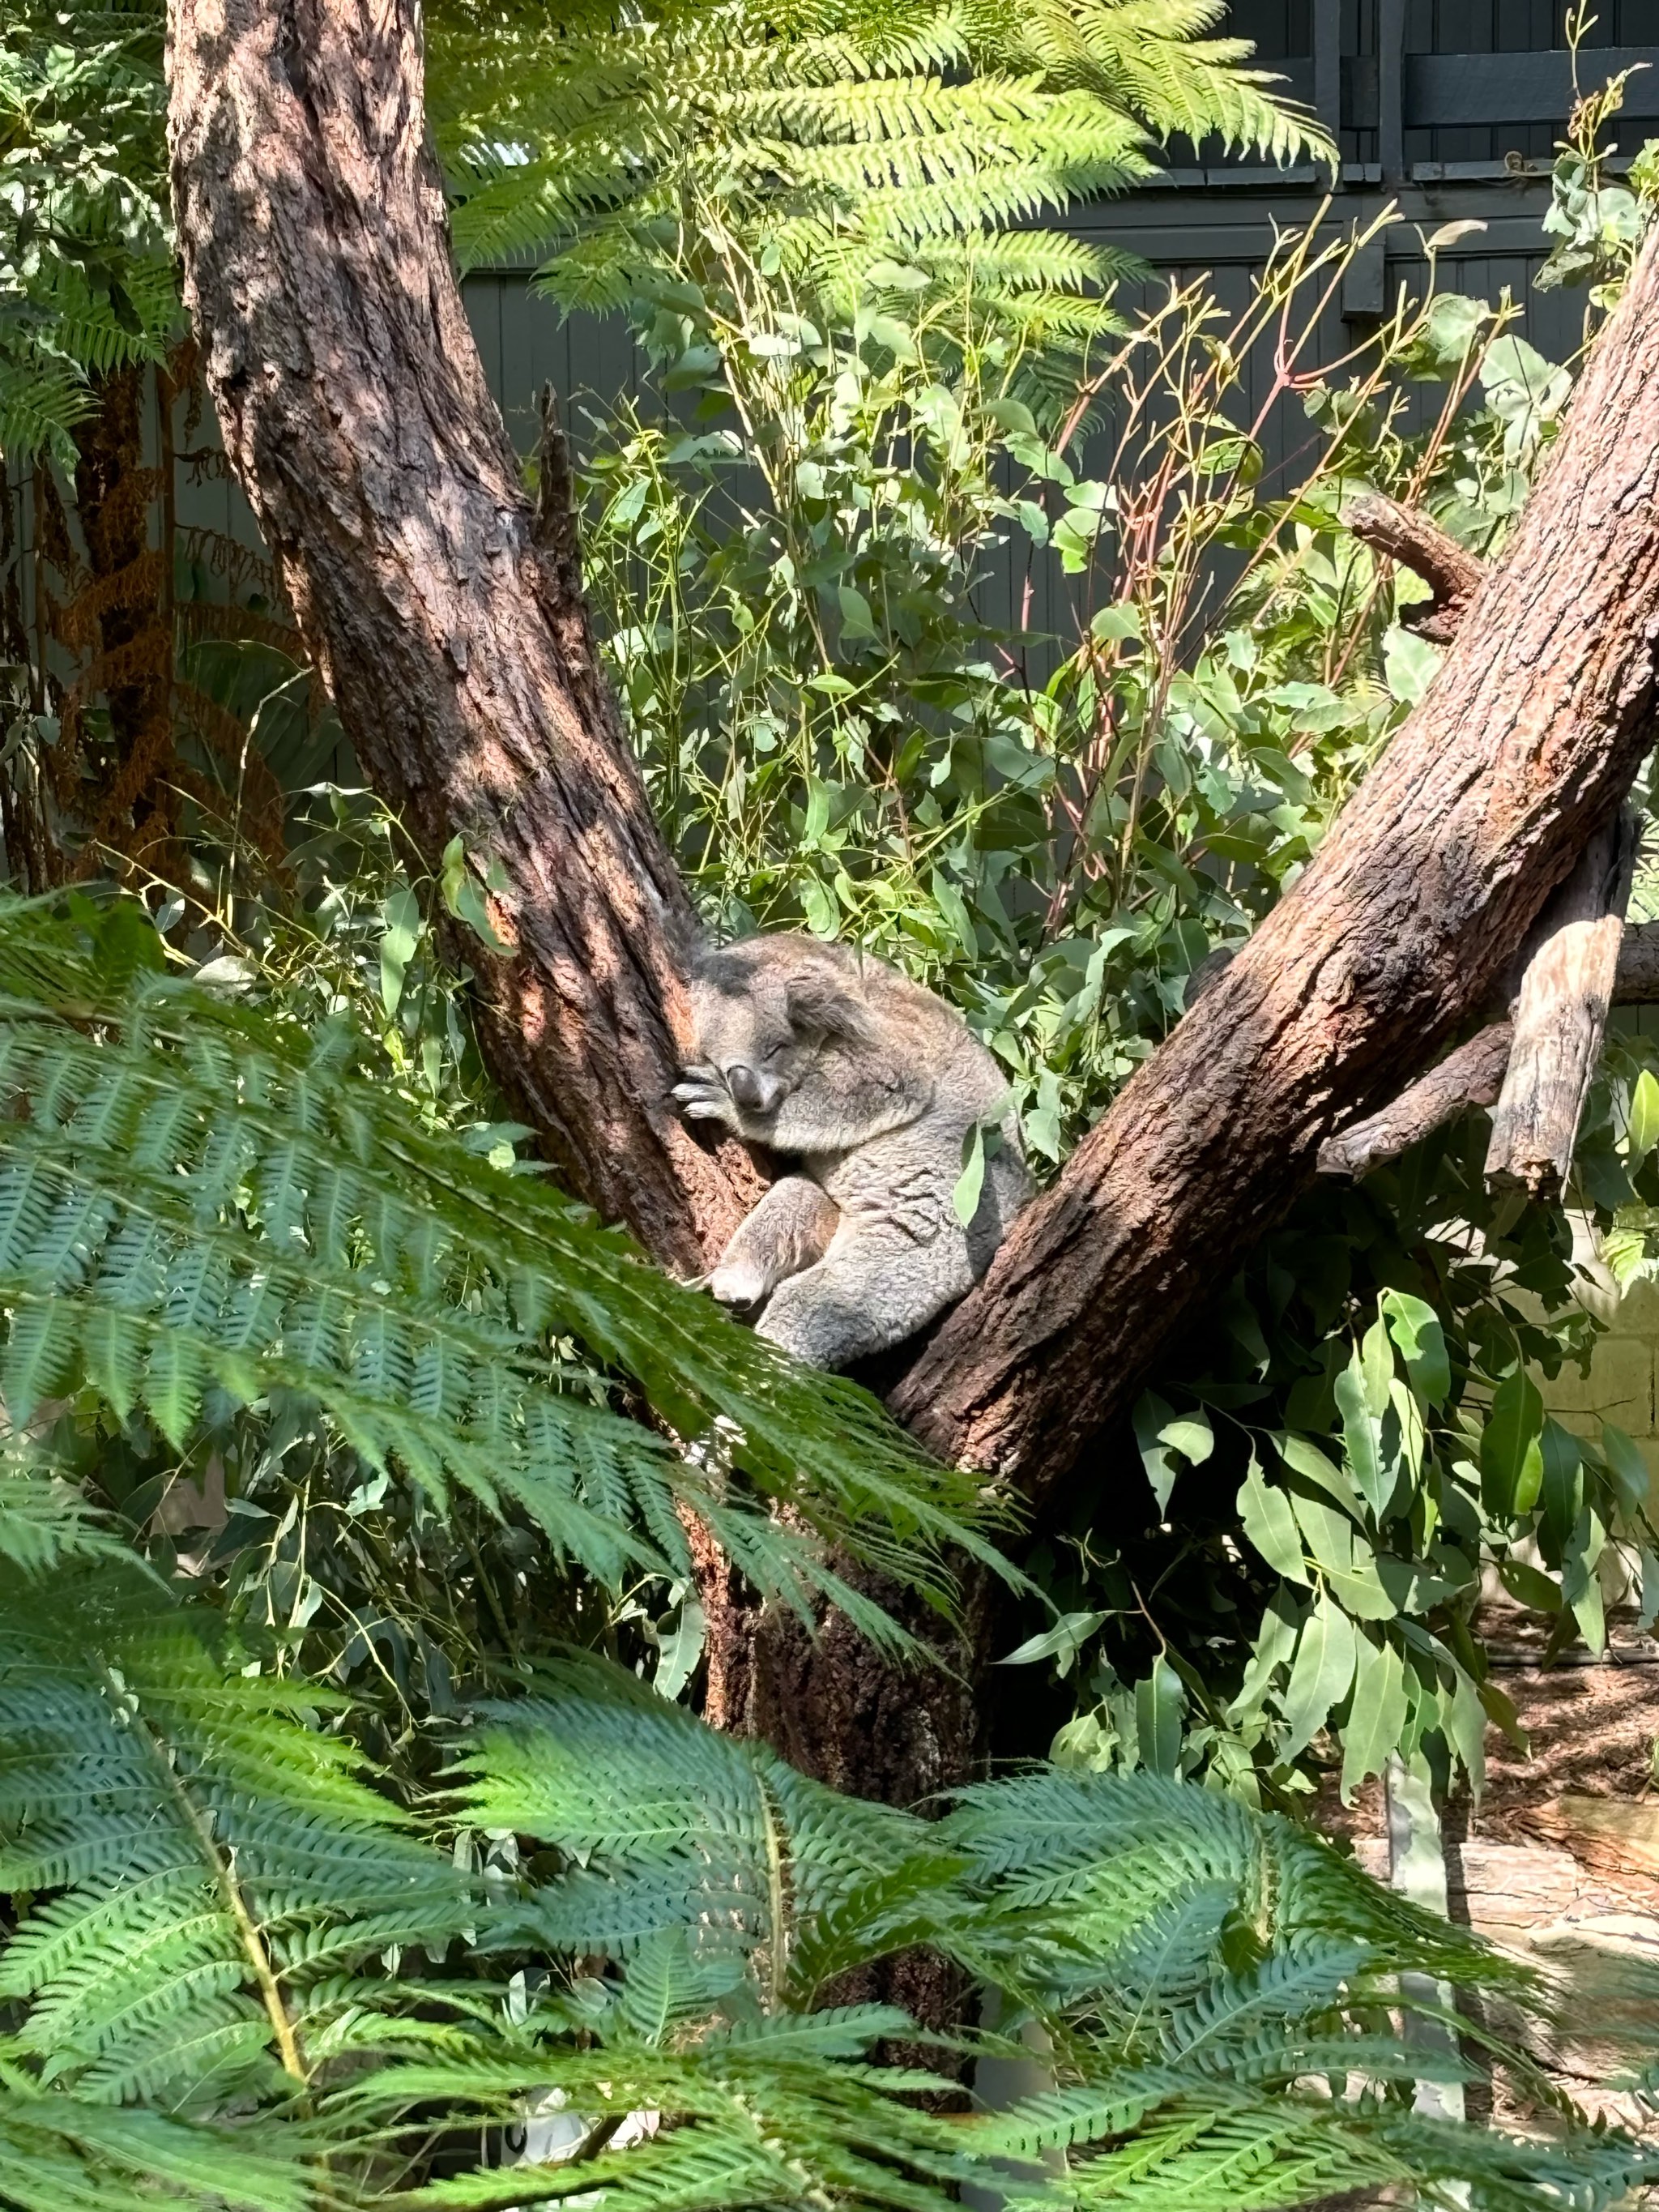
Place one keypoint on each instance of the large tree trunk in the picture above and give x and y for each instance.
(356, 413)
(1396, 936)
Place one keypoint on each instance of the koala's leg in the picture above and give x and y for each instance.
(790, 1229)
(873, 1287)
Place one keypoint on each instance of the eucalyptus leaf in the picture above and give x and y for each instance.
(1632, 1479)
(400, 933)
(965, 1197)
(1415, 1327)
(1320, 1674)
(1061, 1642)
(1377, 1714)
(1644, 1117)
(1270, 1524)
(1511, 1457)
(1160, 1702)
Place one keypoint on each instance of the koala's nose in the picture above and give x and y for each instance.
(747, 1088)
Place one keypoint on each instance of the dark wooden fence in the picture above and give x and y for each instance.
(1449, 109)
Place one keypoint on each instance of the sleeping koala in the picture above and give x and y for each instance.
(873, 1083)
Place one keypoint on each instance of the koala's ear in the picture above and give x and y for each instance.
(819, 1005)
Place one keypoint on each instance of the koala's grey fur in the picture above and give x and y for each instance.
(822, 1053)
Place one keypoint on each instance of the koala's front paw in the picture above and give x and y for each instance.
(741, 1282)
(704, 1097)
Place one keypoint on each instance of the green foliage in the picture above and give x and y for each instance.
(86, 281)
(238, 1972)
(1052, 829)
(213, 1858)
(847, 150)
(1056, 832)
(846, 135)
(1597, 225)
(210, 1213)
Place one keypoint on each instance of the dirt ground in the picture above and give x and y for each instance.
(1586, 1911)
(1591, 1726)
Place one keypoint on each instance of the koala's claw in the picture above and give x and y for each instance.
(702, 1104)
(705, 1100)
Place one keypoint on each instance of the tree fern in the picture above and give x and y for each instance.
(1191, 1961)
(204, 1208)
(827, 138)
(238, 1973)
(833, 136)
(87, 282)
(215, 1854)
(61, 2153)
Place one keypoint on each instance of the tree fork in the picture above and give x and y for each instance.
(354, 410)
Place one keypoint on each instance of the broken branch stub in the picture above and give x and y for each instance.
(1472, 1076)
(1559, 1017)
(1468, 1077)
(1400, 533)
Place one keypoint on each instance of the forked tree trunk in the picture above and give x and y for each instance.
(356, 414)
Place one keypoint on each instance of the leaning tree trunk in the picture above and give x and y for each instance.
(1394, 938)
(356, 414)
(354, 410)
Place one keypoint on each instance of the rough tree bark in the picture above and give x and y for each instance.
(356, 413)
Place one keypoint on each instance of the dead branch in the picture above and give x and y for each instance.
(1452, 572)
(1559, 1016)
(1470, 1077)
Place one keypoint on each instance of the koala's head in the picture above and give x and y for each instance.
(765, 1010)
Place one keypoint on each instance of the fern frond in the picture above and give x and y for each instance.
(677, 1831)
(213, 1881)
(199, 1200)
(179, 1827)
(86, 280)
(560, 141)
(45, 1520)
(62, 2154)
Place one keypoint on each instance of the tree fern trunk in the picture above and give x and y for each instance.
(356, 413)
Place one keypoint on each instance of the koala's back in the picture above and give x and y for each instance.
(911, 1026)
(873, 1085)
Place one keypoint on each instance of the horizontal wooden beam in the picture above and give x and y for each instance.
(1460, 89)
